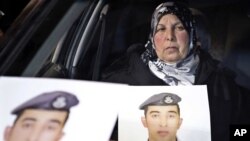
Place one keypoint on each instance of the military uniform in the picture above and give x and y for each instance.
(162, 99)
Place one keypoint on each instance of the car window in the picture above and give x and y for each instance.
(35, 25)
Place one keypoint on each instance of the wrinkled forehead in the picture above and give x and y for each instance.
(169, 19)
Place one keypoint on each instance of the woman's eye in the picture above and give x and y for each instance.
(160, 29)
(180, 28)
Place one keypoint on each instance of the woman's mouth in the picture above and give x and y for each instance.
(171, 48)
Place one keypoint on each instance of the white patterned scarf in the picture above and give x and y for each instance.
(182, 73)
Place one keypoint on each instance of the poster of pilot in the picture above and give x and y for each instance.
(165, 113)
(55, 110)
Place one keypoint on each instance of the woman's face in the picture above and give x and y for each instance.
(171, 39)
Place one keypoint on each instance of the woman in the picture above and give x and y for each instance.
(171, 57)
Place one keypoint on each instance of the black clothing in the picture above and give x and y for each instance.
(228, 102)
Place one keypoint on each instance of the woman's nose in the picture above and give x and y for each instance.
(169, 35)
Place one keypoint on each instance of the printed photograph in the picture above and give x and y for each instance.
(53, 110)
(162, 113)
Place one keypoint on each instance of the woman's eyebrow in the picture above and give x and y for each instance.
(160, 25)
(176, 23)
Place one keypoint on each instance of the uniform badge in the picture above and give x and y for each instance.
(59, 103)
(168, 100)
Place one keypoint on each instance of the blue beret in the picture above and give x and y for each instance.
(161, 99)
(56, 100)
